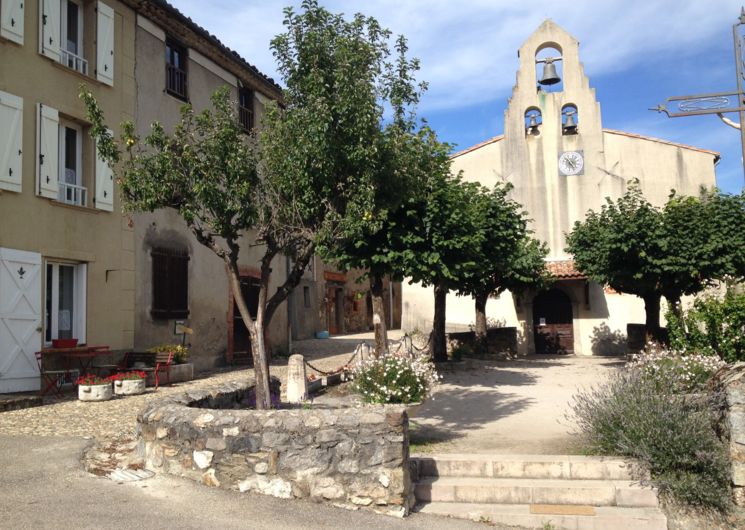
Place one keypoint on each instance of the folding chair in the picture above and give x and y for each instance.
(51, 379)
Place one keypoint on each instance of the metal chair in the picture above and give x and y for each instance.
(51, 379)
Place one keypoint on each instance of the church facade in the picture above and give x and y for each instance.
(562, 163)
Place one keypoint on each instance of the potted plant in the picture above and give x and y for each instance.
(93, 388)
(129, 383)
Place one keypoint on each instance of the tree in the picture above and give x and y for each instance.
(651, 252)
(507, 258)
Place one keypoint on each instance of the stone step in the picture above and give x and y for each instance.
(534, 491)
(525, 515)
(525, 466)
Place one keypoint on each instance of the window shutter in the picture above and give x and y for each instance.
(11, 141)
(170, 284)
(11, 20)
(105, 44)
(47, 127)
(104, 185)
(49, 29)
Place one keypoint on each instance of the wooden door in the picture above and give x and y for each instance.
(332, 310)
(20, 320)
(552, 323)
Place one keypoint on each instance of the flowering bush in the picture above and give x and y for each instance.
(128, 376)
(180, 353)
(675, 372)
(394, 378)
(715, 325)
(90, 379)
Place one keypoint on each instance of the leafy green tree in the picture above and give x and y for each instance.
(651, 252)
(507, 258)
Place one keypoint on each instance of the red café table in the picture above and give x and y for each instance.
(84, 356)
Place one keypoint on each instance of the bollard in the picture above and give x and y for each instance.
(297, 384)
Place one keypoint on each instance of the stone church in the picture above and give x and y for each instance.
(562, 162)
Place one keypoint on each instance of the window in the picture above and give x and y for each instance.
(306, 296)
(65, 301)
(71, 36)
(70, 179)
(170, 283)
(246, 108)
(176, 70)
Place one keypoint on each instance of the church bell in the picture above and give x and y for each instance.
(550, 75)
(570, 126)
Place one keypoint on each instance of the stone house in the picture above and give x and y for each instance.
(562, 162)
(66, 252)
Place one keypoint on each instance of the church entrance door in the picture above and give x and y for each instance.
(552, 323)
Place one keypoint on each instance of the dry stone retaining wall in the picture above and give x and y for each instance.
(733, 382)
(353, 457)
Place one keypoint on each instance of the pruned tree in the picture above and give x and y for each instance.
(508, 256)
(639, 249)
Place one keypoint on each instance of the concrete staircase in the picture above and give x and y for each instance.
(536, 491)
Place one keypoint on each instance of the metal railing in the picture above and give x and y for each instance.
(176, 81)
(73, 194)
(246, 117)
(73, 61)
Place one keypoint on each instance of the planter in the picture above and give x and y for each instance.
(95, 392)
(129, 387)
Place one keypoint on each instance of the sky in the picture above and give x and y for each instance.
(636, 53)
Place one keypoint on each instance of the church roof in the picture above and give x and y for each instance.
(667, 142)
(564, 270)
(495, 139)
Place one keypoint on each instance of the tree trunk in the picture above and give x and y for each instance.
(258, 351)
(293, 279)
(480, 327)
(378, 308)
(652, 312)
(439, 346)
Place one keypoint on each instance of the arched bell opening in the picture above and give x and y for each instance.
(569, 119)
(533, 121)
(549, 71)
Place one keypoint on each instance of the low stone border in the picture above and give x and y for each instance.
(351, 457)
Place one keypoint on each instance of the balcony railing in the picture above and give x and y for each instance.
(73, 194)
(246, 117)
(73, 61)
(176, 81)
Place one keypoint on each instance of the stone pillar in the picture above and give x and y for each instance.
(733, 383)
(297, 384)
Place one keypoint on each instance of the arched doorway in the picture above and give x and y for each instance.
(552, 323)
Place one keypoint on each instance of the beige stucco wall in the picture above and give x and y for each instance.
(58, 231)
(209, 301)
(555, 202)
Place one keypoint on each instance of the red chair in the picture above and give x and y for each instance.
(53, 379)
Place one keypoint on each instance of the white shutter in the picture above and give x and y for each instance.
(105, 44)
(104, 185)
(11, 141)
(11, 20)
(49, 28)
(47, 129)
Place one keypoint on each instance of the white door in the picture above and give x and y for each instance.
(20, 319)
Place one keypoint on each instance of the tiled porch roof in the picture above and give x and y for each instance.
(564, 270)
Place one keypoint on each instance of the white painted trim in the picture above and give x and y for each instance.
(151, 28)
(207, 64)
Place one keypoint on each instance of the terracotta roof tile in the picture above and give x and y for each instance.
(564, 270)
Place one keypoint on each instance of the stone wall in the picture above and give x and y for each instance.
(351, 457)
(732, 381)
(500, 341)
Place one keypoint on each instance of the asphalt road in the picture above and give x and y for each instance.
(43, 485)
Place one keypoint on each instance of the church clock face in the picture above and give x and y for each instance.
(571, 163)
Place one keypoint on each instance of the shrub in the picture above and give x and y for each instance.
(673, 371)
(394, 378)
(460, 350)
(180, 353)
(715, 325)
(673, 435)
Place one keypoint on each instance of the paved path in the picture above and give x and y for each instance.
(508, 406)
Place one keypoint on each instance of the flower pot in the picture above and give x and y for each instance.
(129, 387)
(95, 392)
